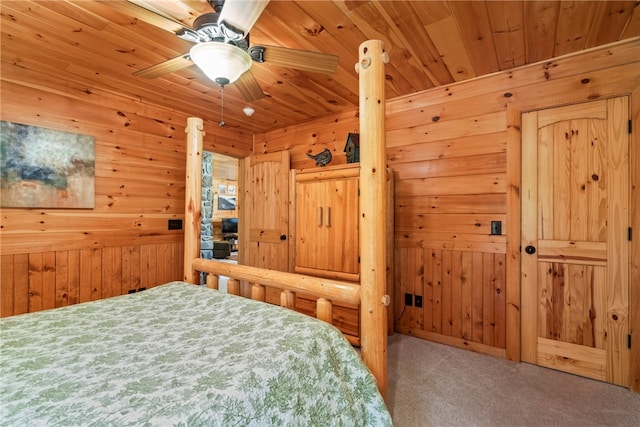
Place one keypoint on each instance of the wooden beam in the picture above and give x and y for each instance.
(332, 290)
(373, 209)
(192, 196)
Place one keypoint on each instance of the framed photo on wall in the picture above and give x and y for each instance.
(226, 203)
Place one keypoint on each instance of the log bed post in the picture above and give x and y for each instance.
(373, 210)
(192, 197)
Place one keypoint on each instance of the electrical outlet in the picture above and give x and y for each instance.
(175, 224)
(418, 301)
(496, 228)
(408, 300)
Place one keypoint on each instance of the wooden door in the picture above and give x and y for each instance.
(575, 248)
(264, 211)
(327, 223)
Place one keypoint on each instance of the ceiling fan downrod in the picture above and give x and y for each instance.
(216, 5)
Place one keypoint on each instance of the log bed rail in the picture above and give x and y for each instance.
(324, 291)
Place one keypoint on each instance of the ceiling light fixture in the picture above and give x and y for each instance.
(221, 62)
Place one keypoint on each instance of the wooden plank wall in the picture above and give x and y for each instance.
(54, 257)
(456, 159)
(311, 138)
(42, 280)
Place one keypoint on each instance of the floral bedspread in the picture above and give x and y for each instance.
(180, 354)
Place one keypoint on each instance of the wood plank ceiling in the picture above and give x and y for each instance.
(98, 45)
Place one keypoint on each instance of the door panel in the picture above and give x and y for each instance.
(265, 211)
(575, 201)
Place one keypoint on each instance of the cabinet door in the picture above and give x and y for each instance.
(341, 225)
(310, 237)
(327, 228)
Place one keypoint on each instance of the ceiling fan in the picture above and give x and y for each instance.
(221, 45)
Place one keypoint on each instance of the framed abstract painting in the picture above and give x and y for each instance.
(44, 168)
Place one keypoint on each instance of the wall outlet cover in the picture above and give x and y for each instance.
(175, 224)
(408, 300)
(496, 228)
(418, 301)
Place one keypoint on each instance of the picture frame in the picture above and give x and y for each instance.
(226, 203)
(45, 168)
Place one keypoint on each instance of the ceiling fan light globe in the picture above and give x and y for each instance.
(220, 61)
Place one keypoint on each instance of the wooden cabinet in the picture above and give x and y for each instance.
(326, 217)
(325, 221)
(326, 235)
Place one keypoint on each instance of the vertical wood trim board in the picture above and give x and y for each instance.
(634, 250)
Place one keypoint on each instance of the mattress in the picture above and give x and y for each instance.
(180, 354)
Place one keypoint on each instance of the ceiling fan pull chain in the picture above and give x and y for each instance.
(221, 105)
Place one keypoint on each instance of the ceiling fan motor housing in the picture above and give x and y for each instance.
(206, 28)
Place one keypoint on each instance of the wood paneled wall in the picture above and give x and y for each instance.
(49, 256)
(311, 138)
(42, 280)
(455, 153)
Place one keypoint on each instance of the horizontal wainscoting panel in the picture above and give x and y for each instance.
(51, 233)
(434, 223)
(463, 146)
(453, 241)
(485, 123)
(452, 204)
(465, 184)
(43, 280)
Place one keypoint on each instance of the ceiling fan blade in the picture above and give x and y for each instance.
(301, 59)
(249, 87)
(168, 66)
(242, 14)
(145, 12)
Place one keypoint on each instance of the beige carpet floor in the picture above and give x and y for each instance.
(437, 385)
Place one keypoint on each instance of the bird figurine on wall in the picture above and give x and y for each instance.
(322, 159)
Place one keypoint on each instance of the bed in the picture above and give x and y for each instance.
(172, 356)
(183, 354)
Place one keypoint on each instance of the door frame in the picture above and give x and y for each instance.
(514, 216)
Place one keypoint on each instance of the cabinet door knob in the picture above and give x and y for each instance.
(530, 250)
(283, 237)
